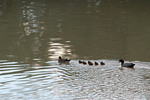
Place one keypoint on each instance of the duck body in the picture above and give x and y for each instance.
(102, 63)
(90, 63)
(80, 62)
(96, 63)
(84, 63)
(128, 65)
(63, 61)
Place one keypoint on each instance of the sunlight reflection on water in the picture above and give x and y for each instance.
(57, 48)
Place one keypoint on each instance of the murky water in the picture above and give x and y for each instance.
(33, 33)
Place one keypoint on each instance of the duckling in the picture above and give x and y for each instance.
(102, 63)
(63, 61)
(84, 63)
(80, 62)
(90, 63)
(128, 65)
(96, 63)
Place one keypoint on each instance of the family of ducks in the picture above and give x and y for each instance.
(91, 63)
(66, 61)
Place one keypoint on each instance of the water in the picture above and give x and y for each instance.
(33, 33)
(74, 81)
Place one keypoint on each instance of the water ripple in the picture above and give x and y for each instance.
(74, 81)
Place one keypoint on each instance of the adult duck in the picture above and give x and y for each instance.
(128, 65)
(63, 61)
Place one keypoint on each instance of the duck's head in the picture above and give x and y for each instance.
(60, 57)
(121, 60)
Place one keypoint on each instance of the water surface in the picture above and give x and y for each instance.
(33, 33)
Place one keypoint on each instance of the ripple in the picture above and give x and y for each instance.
(7, 63)
(74, 81)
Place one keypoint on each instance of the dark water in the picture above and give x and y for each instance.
(33, 33)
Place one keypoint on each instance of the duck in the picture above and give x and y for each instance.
(102, 63)
(96, 63)
(128, 65)
(80, 62)
(90, 63)
(84, 63)
(63, 61)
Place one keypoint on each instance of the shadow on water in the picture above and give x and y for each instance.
(33, 33)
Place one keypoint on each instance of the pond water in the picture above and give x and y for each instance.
(33, 33)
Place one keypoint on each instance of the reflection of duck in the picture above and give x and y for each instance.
(90, 63)
(61, 60)
(96, 63)
(128, 65)
(102, 63)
